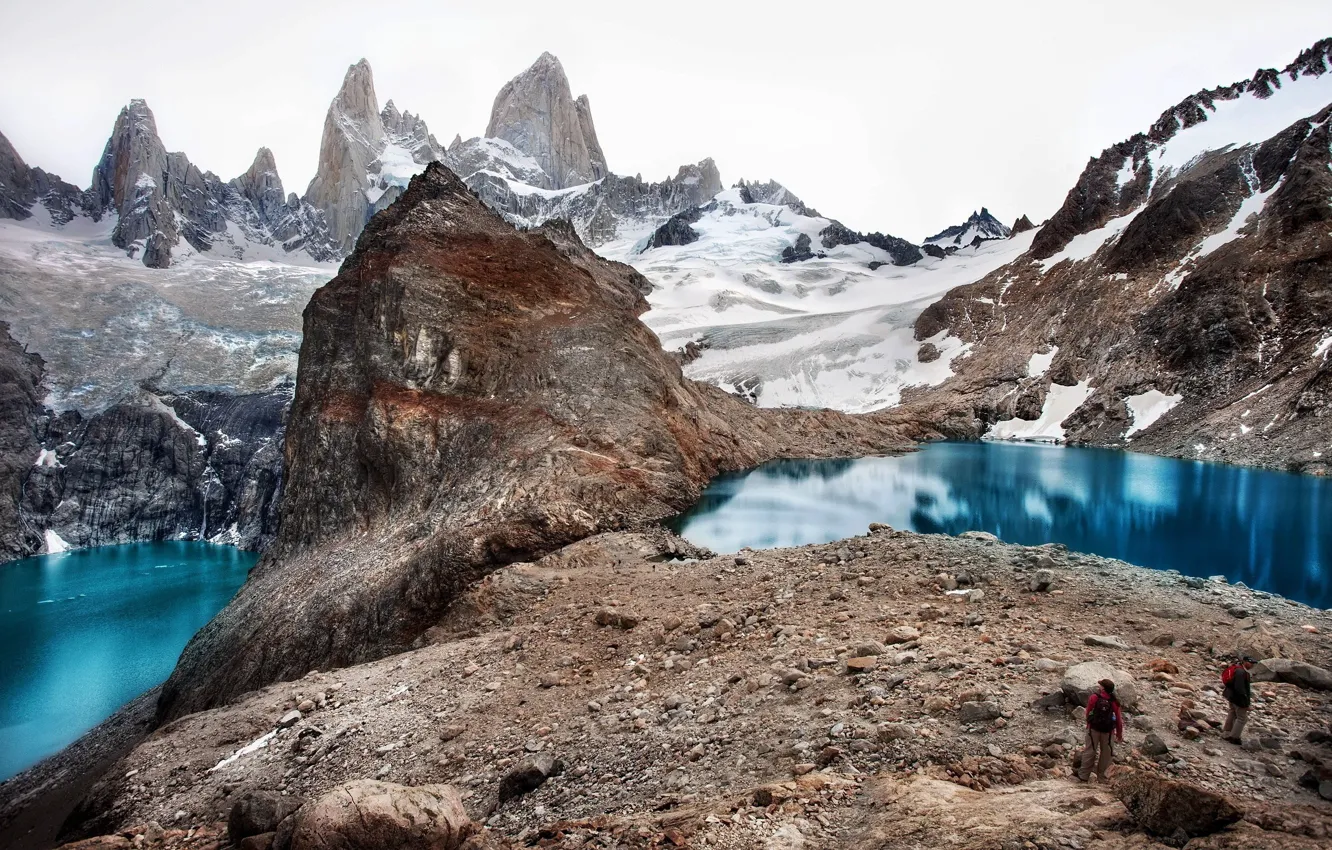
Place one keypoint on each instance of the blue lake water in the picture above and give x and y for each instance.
(84, 632)
(1271, 530)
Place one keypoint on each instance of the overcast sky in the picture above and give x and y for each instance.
(891, 116)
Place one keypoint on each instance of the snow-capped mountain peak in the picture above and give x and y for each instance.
(979, 225)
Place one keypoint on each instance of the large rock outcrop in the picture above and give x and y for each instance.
(470, 395)
(536, 112)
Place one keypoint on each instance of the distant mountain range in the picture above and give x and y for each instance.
(539, 159)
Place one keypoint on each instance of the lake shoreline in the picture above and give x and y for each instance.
(464, 706)
(1259, 527)
(35, 803)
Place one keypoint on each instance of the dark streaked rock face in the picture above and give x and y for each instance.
(194, 466)
(20, 412)
(17, 193)
(469, 395)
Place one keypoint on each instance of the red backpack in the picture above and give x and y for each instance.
(1228, 675)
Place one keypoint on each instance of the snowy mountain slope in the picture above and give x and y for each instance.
(833, 330)
(1182, 288)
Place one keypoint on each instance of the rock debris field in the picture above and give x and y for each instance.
(892, 690)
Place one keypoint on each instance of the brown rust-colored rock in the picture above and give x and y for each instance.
(1167, 806)
(368, 815)
(470, 396)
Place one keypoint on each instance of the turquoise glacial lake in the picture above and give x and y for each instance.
(1271, 530)
(85, 632)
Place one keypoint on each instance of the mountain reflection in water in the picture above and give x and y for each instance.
(1256, 526)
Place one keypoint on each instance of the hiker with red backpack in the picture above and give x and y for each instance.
(1235, 680)
(1104, 717)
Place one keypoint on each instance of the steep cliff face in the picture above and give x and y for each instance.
(17, 194)
(469, 395)
(353, 137)
(20, 411)
(198, 466)
(194, 466)
(366, 156)
(145, 186)
(1179, 300)
(537, 114)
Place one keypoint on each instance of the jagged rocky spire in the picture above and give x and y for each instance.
(353, 138)
(537, 114)
(147, 186)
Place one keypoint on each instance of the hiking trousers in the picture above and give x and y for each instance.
(1098, 755)
(1236, 718)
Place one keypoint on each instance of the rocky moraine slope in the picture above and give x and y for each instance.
(1179, 302)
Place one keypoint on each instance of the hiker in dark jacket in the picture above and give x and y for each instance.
(1238, 693)
(1104, 717)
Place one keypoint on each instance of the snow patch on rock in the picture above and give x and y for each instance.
(1039, 363)
(1085, 245)
(1060, 402)
(1148, 407)
(54, 544)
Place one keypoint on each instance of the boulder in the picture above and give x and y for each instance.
(1042, 581)
(1154, 745)
(1083, 680)
(1292, 672)
(616, 618)
(529, 776)
(257, 812)
(1107, 641)
(978, 712)
(1169, 807)
(368, 815)
(902, 634)
(863, 664)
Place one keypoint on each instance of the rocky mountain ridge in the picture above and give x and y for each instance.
(1177, 302)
